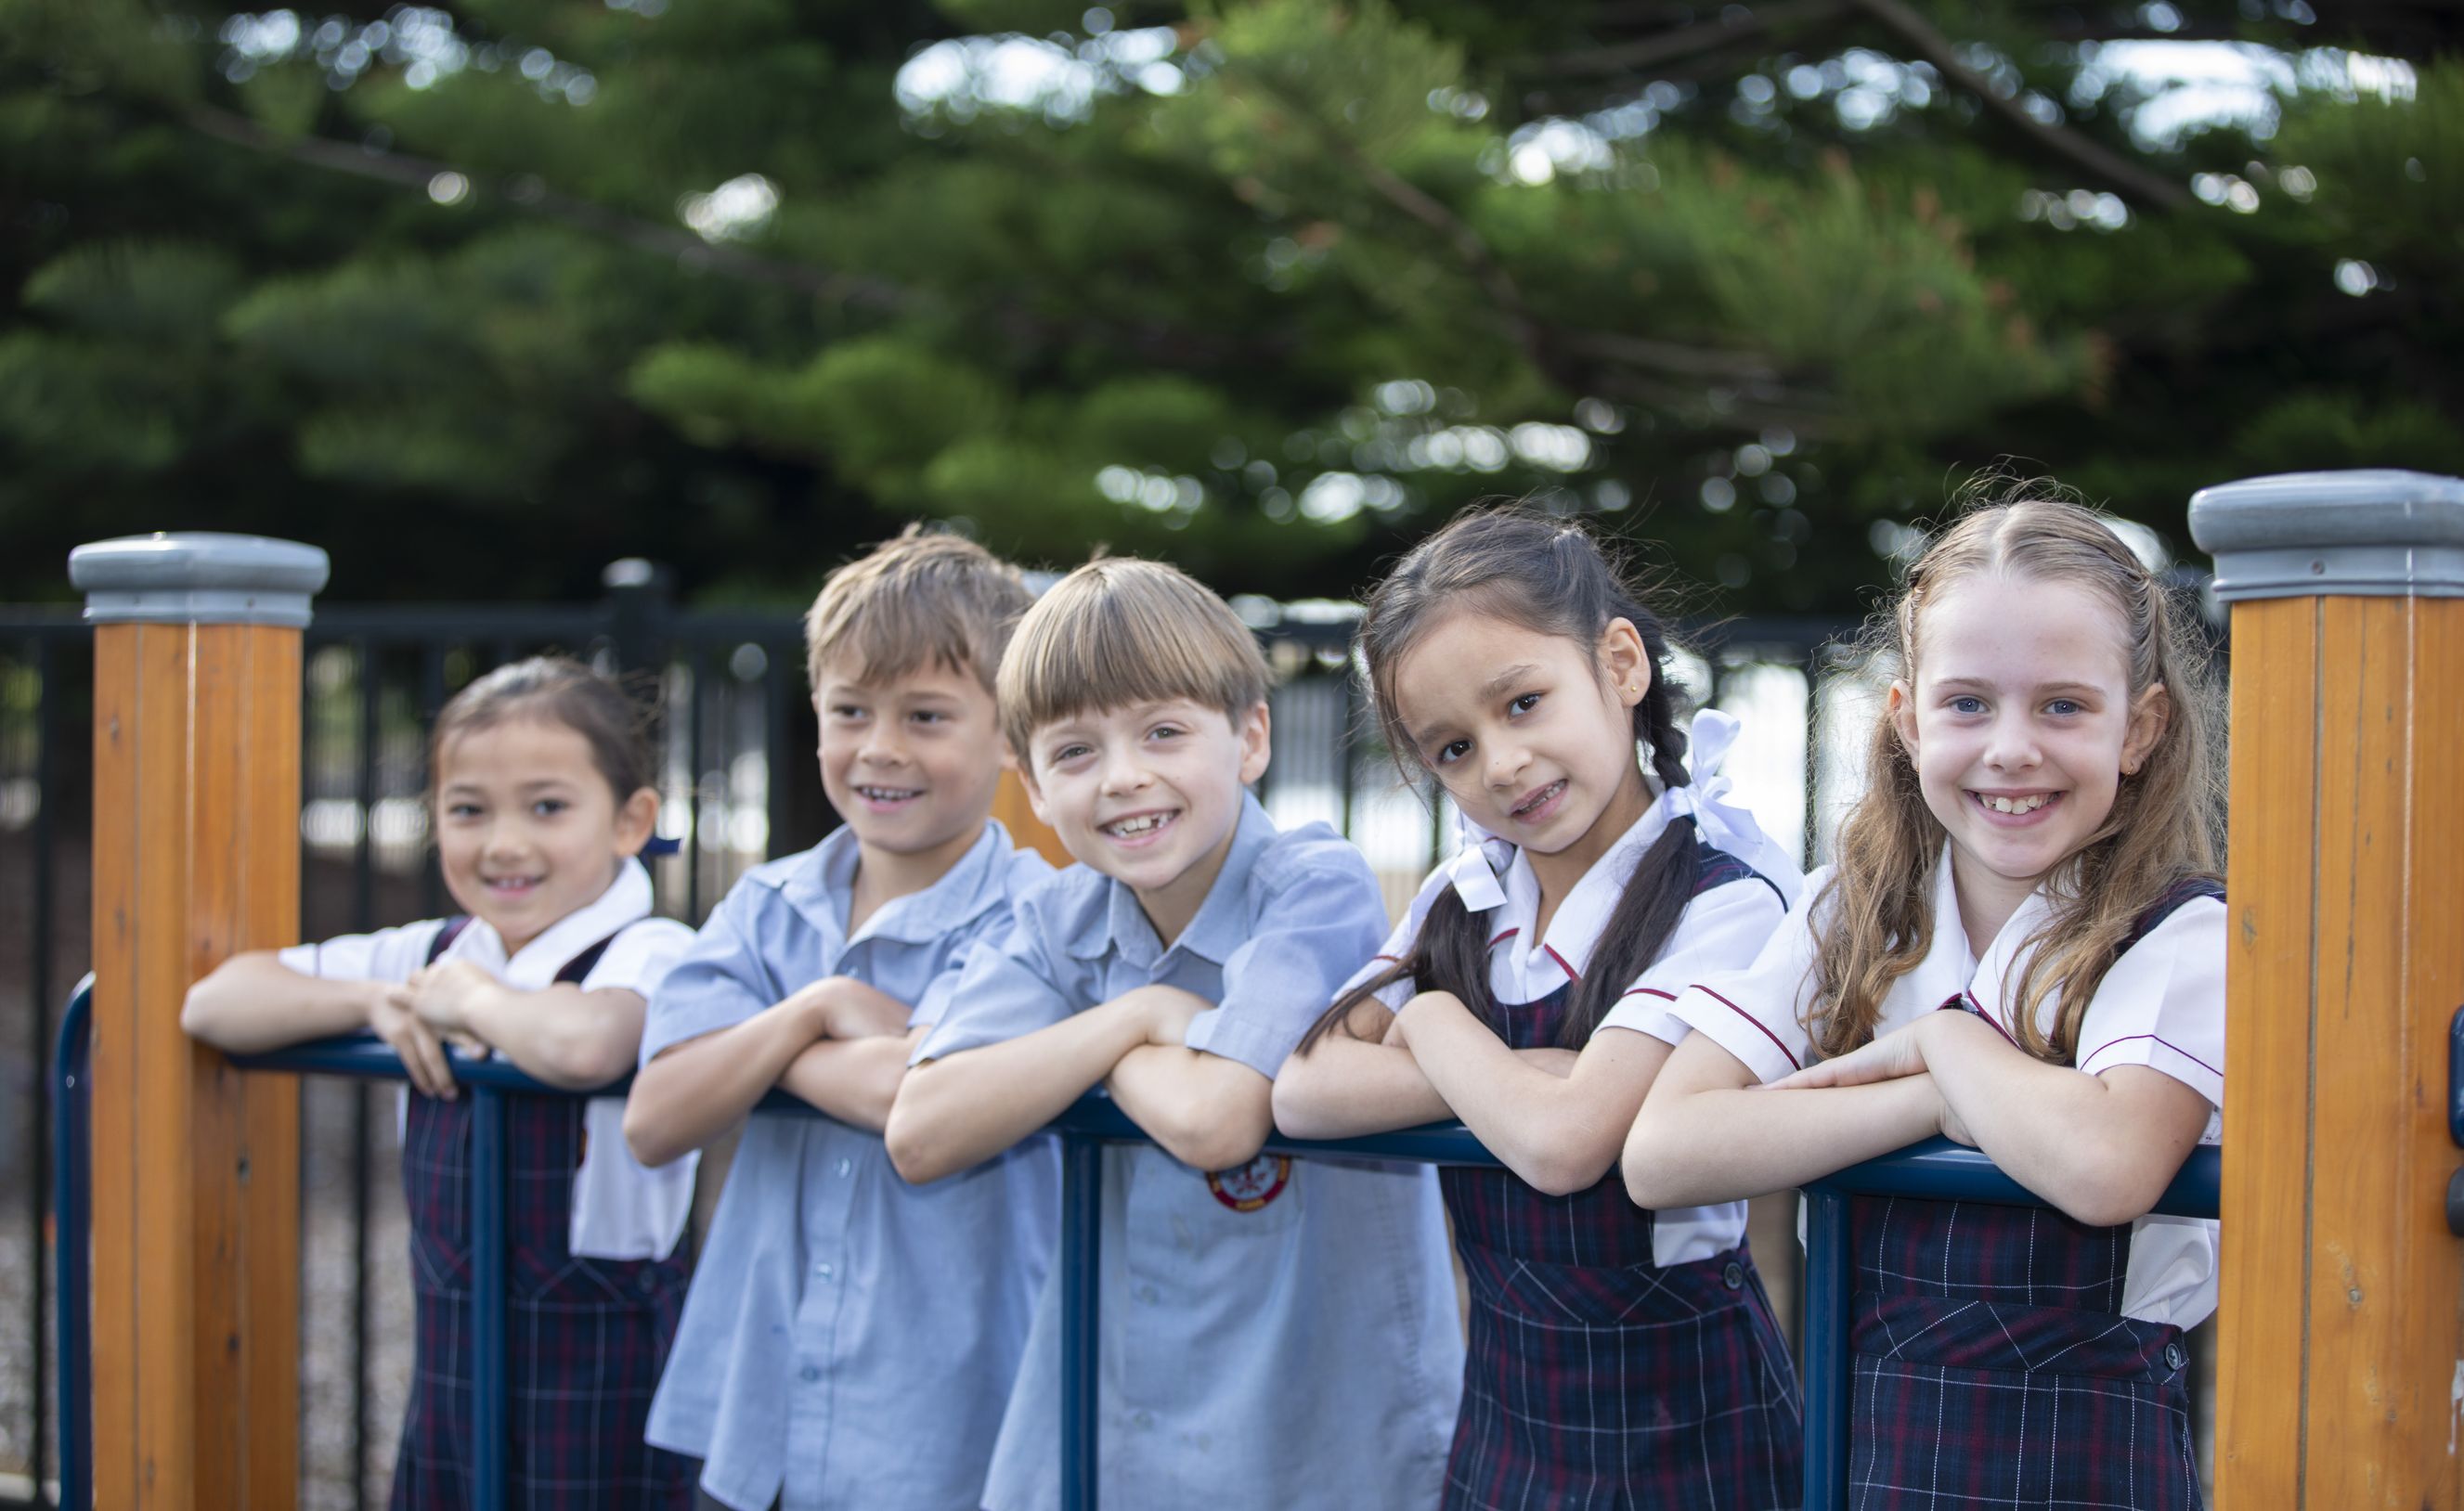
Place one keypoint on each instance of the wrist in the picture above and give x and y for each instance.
(812, 1011)
(373, 998)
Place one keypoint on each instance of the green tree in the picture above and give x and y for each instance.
(480, 296)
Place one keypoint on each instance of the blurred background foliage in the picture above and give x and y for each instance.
(479, 296)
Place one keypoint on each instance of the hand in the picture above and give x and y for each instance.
(1393, 1037)
(1896, 1054)
(1167, 1011)
(1550, 1058)
(393, 1018)
(851, 1009)
(441, 996)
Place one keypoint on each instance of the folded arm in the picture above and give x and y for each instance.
(558, 1034)
(853, 1080)
(252, 1002)
(1560, 1132)
(693, 1091)
(1350, 1083)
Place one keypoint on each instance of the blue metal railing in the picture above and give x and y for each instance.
(1936, 1169)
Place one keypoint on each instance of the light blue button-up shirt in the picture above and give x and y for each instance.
(1277, 1338)
(850, 1340)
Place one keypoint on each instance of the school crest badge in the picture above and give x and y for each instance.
(1249, 1187)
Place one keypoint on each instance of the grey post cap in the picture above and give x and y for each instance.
(197, 577)
(2376, 532)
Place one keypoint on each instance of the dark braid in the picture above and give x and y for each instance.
(1554, 579)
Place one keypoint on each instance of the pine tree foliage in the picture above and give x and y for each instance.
(480, 296)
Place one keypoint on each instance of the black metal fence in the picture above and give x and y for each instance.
(739, 785)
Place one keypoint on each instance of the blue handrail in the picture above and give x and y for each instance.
(1937, 1170)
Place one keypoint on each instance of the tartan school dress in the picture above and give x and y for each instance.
(1596, 1377)
(1993, 1361)
(585, 1338)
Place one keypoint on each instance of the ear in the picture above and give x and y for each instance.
(1254, 729)
(2149, 714)
(1624, 662)
(1027, 779)
(1900, 707)
(636, 821)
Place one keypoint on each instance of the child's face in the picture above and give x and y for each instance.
(2021, 724)
(1531, 735)
(1149, 795)
(910, 763)
(527, 829)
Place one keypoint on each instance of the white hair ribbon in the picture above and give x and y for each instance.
(1719, 823)
(1474, 870)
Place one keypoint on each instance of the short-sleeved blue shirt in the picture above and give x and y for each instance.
(850, 1340)
(1276, 1338)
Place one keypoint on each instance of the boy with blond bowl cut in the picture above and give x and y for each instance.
(850, 1340)
(1283, 1333)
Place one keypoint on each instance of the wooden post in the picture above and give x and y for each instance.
(196, 855)
(2342, 1341)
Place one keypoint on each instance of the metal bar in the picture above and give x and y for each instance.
(70, 1148)
(364, 796)
(1081, 1260)
(696, 663)
(1348, 746)
(431, 702)
(779, 761)
(1827, 1275)
(489, 1430)
(39, 992)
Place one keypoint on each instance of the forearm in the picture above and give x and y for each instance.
(964, 1108)
(1559, 1133)
(1690, 1147)
(696, 1090)
(560, 1034)
(1345, 1087)
(853, 1080)
(252, 1002)
(2082, 1143)
(1209, 1112)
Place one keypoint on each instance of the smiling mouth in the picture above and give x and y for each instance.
(1138, 826)
(1538, 800)
(513, 886)
(2028, 803)
(889, 796)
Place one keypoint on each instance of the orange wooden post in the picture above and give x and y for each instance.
(2342, 1347)
(196, 855)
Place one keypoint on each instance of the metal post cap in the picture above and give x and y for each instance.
(198, 577)
(2380, 533)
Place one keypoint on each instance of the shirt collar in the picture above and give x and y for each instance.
(1221, 922)
(821, 891)
(1950, 971)
(1576, 928)
(627, 900)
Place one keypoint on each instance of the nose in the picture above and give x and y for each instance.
(884, 743)
(2011, 745)
(1507, 758)
(1123, 771)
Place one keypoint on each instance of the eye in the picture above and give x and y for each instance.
(1165, 731)
(1066, 753)
(927, 716)
(2065, 708)
(1524, 704)
(462, 812)
(1451, 752)
(845, 713)
(1967, 704)
(550, 808)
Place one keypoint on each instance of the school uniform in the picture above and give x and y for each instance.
(594, 1282)
(2008, 1354)
(1619, 1357)
(1280, 1337)
(851, 1339)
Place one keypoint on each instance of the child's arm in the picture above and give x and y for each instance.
(252, 1002)
(694, 1090)
(855, 1080)
(1209, 1112)
(1707, 1132)
(2100, 1147)
(558, 1034)
(962, 1108)
(1351, 1082)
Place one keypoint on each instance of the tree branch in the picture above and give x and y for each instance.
(1734, 24)
(2137, 182)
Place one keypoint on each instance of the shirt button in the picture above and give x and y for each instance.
(1732, 1275)
(1143, 1420)
(810, 1372)
(844, 1167)
(2174, 1357)
(822, 1269)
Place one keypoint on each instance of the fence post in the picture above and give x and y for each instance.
(196, 855)
(2342, 1319)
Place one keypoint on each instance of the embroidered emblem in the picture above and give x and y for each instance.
(1253, 1185)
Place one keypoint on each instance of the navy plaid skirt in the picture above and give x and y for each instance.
(1595, 1378)
(1993, 1366)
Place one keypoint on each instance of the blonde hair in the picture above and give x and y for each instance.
(2166, 822)
(1119, 631)
(920, 600)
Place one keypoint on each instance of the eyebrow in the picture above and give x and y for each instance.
(1984, 684)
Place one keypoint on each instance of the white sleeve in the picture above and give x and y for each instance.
(2162, 1006)
(1722, 931)
(388, 954)
(1398, 944)
(1754, 1014)
(637, 959)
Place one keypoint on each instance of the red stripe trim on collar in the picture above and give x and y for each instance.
(1508, 934)
(1793, 1062)
(1571, 975)
(1653, 990)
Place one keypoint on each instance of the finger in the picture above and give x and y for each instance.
(421, 1048)
(406, 1047)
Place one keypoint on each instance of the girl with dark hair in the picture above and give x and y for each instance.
(1616, 1356)
(541, 796)
(2021, 946)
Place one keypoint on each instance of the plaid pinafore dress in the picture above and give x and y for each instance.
(585, 1338)
(1993, 1364)
(1594, 1377)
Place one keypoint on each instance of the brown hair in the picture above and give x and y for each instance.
(922, 599)
(2166, 819)
(1554, 577)
(555, 689)
(1118, 631)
